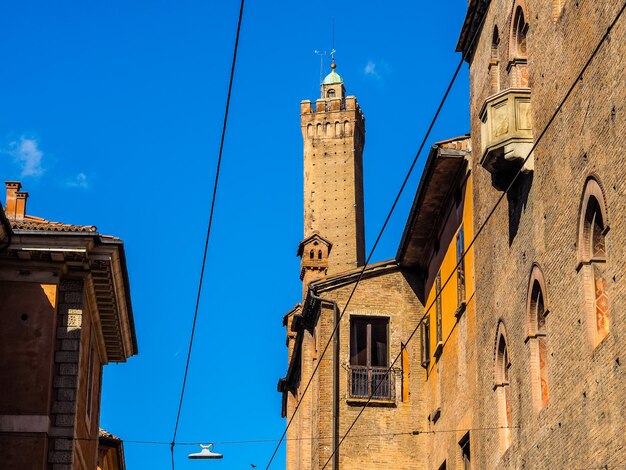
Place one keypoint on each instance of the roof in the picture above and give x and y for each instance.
(107, 435)
(446, 161)
(333, 77)
(113, 449)
(307, 240)
(476, 10)
(31, 223)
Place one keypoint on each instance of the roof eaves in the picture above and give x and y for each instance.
(443, 148)
(108, 240)
(472, 23)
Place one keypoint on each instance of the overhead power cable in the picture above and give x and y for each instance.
(484, 223)
(265, 441)
(380, 234)
(208, 232)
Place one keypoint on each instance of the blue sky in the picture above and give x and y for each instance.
(111, 115)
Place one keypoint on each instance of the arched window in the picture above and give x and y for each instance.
(311, 254)
(502, 389)
(537, 338)
(520, 28)
(518, 49)
(592, 252)
(495, 41)
(319, 254)
(330, 93)
(494, 62)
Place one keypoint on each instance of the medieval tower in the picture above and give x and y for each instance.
(333, 130)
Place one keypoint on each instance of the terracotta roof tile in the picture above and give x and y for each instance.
(108, 435)
(31, 222)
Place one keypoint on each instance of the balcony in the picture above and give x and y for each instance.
(377, 382)
(506, 133)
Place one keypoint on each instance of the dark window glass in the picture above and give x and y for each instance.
(460, 272)
(438, 307)
(369, 359)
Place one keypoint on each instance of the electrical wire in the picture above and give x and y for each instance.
(264, 441)
(362, 272)
(483, 225)
(208, 233)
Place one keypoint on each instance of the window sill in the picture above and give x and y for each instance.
(354, 401)
(460, 310)
(438, 350)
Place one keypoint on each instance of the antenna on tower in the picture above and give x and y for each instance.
(333, 51)
(322, 54)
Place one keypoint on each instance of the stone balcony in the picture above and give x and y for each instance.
(506, 133)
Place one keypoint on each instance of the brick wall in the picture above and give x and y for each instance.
(370, 443)
(583, 423)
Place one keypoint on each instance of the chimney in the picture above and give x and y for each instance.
(12, 188)
(20, 204)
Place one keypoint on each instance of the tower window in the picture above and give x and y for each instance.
(330, 93)
(319, 254)
(311, 254)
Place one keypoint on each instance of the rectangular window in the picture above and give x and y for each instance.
(460, 271)
(438, 307)
(369, 359)
(426, 342)
(464, 443)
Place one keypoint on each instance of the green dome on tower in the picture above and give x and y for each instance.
(333, 77)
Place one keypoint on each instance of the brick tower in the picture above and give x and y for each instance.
(333, 130)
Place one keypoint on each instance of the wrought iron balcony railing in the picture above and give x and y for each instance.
(378, 382)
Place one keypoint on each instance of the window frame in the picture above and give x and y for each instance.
(593, 220)
(373, 372)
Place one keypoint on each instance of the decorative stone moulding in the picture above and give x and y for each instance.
(507, 132)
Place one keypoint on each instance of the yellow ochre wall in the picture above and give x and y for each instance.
(450, 380)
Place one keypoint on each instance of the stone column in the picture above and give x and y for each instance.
(65, 380)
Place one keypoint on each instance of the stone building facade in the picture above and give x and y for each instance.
(65, 312)
(500, 320)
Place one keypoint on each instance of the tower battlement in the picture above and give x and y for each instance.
(328, 105)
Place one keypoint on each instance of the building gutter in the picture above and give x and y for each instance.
(336, 345)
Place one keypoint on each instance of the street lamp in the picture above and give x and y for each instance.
(206, 453)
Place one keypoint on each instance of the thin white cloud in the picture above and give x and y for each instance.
(79, 181)
(376, 69)
(370, 70)
(28, 155)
